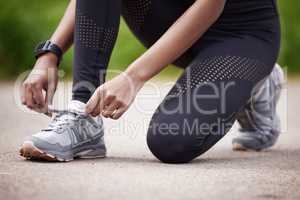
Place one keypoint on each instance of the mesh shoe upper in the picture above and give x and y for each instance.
(69, 129)
(259, 121)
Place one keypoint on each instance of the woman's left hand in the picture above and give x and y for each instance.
(113, 98)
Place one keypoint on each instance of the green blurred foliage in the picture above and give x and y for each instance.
(22, 25)
(290, 40)
(25, 23)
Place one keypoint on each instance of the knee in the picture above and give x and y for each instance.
(165, 151)
(169, 148)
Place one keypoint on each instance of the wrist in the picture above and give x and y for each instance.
(46, 61)
(49, 57)
(135, 76)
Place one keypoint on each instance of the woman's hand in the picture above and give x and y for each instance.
(44, 76)
(113, 98)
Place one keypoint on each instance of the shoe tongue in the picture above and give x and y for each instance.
(76, 106)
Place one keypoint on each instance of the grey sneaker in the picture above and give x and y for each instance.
(71, 134)
(260, 124)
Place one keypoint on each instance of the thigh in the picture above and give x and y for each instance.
(244, 29)
(150, 19)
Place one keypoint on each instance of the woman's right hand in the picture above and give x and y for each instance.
(43, 77)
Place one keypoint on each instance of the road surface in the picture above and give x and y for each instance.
(131, 172)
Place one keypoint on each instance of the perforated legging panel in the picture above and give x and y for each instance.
(135, 12)
(220, 68)
(96, 28)
(91, 35)
(109, 38)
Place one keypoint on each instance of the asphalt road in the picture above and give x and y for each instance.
(131, 172)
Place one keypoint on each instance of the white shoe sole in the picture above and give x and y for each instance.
(31, 152)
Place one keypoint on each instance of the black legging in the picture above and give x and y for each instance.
(221, 69)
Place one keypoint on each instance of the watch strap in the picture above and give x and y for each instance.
(46, 47)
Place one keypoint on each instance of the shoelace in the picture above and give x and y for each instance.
(63, 119)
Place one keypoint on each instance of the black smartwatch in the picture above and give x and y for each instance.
(46, 47)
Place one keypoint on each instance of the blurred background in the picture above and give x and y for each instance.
(25, 23)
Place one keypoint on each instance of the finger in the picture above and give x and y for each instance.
(29, 98)
(31, 103)
(109, 110)
(102, 104)
(93, 102)
(119, 113)
(38, 96)
(39, 100)
(106, 102)
(96, 110)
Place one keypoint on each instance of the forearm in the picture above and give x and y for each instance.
(180, 36)
(63, 35)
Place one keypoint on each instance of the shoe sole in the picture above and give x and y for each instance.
(239, 147)
(31, 152)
